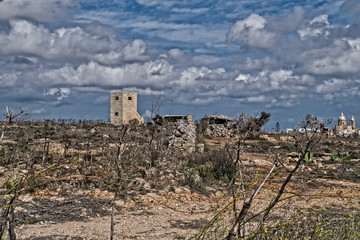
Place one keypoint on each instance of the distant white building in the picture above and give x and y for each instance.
(302, 130)
(290, 130)
(342, 128)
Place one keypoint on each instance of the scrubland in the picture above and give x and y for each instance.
(92, 180)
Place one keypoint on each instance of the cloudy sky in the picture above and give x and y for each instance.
(62, 58)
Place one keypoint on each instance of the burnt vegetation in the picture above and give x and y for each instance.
(70, 157)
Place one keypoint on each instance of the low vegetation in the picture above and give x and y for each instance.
(261, 197)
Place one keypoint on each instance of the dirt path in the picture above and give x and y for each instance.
(156, 223)
(161, 215)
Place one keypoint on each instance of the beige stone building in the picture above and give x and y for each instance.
(342, 128)
(123, 108)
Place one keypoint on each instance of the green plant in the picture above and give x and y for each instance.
(341, 156)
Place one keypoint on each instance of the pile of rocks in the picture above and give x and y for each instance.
(217, 130)
(184, 134)
(218, 126)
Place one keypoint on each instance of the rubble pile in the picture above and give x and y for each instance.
(184, 134)
(217, 130)
(218, 126)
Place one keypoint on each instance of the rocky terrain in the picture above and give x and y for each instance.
(68, 182)
(176, 212)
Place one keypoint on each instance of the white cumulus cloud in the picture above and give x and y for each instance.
(252, 31)
(69, 44)
(152, 73)
(60, 93)
(279, 79)
(332, 85)
(135, 50)
(319, 26)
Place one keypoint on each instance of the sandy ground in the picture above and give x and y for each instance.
(161, 215)
(156, 223)
(164, 215)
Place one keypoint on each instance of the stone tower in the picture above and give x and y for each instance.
(123, 108)
(342, 121)
(352, 123)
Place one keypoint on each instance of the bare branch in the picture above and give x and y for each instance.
(246, 206)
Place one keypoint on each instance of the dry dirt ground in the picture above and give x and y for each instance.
(161, 215)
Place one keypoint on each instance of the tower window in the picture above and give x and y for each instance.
(116, 113)
(129, 98)
(116, 98)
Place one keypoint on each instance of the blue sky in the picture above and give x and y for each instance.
(61, 58)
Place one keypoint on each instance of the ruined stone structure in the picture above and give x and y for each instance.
(342, 128)
(217, 126)
(179, 119)
(123, 108)
(183, 134)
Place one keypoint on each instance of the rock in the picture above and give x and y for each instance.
(184, 136)
(261, 162)
(151, 171)
(180, 190)
(164, 192)
(149, 198)
(219, 194)
(146, 186)
(320, 165)
(190, 150)
(200, 147)
(286, 138)
(124, 203)
(186, 190)
(83, 212)
(218, 130)
(209, 189)
(140, 183)
(182, 129)
(153, 195)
